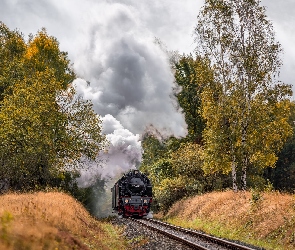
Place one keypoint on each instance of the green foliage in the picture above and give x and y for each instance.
(188, 163)
(29, 127)
(192, 75)
(156, 163)
(283, 175)
(187, 160)
(154, 150)
(178, 172)
(168, 192)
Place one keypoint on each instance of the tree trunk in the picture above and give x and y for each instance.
(234, 176)
(243, 177)
(245, 156)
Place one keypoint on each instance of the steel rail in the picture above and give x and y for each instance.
(212, 239)
(173, 236)
(219, 241)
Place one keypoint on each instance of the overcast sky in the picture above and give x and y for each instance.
(70, 21)
(111, 43)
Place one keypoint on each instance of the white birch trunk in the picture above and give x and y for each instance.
(245, 155)
(244, 177)
(234, 176)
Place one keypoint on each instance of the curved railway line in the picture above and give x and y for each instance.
(191, 238)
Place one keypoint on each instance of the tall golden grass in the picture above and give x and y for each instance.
(264, 219)
(52, 220)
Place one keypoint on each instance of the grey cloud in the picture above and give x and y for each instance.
(281, 13)
(129, 74)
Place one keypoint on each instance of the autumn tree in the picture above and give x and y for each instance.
(246, 109)
(45, 127)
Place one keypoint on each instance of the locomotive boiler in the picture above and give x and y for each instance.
(132, 195)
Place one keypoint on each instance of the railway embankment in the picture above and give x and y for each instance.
(55, 220)
(52, 220)
(264, 219)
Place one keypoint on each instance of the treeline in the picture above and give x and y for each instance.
(46, 130)
(239, 115)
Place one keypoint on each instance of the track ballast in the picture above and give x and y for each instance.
(191, 238)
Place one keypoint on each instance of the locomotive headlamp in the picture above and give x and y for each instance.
(126, 200)
(145, 201)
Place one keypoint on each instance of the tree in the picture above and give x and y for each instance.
(153, 150)
(175, 169)
(44, 126)
(246, 109)
(192, 75)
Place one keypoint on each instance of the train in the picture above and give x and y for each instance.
(132, 195)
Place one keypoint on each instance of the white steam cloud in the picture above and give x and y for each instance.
(125, 150)
(124, 153)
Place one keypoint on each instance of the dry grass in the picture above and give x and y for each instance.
(52, 221)
(264, 219)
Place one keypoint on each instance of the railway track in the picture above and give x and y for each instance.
(191, 238)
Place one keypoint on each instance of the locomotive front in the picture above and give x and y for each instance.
(132, 195)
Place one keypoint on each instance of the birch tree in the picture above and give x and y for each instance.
(247, 108)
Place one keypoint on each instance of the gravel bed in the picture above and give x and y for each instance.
(187, 236)
(142, 238)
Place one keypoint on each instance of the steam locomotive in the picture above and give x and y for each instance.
(132, 195)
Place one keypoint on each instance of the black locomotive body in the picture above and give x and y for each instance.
(132, 195)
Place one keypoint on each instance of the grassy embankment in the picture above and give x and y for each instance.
(262, 219)
(52, 221)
